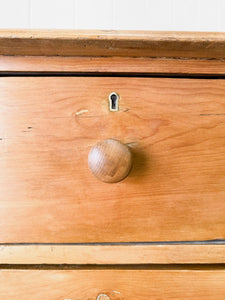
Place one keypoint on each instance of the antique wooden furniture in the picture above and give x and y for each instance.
(148, 109)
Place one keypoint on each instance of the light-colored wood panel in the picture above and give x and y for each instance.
(112, 284)
(175, 191)
(100, 65)
(112, 254)
(112, 43)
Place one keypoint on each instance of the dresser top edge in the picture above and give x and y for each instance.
(111, 43)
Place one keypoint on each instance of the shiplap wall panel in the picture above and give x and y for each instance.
(159, 14)
(183, 15)
(51, 14)
(221, 8)
(96, 14)
(130, 14)
(209, 14)
(14, 14)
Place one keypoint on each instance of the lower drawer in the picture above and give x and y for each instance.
(114, 284)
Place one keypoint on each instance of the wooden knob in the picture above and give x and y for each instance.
(110, 160)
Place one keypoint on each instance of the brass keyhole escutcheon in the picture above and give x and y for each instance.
(113, 101)
(103, 297)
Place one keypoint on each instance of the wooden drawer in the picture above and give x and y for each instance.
(112, 284)
(175, 128)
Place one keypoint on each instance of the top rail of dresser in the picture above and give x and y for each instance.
(204, 45)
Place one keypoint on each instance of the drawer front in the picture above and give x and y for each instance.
(175, 129)
(112, 284)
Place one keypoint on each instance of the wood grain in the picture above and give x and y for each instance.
(99, 65)
(112, 254)
(176, 189)
(113, 284)
(112, 43)
(110, 160)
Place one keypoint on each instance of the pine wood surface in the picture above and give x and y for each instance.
(118, 65)
(175, 190)
(112, 284)
(112, 254)
(112, 43)
(110, 160)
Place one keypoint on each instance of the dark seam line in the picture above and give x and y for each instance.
(166, 266)
(111, 74)
(209, 242)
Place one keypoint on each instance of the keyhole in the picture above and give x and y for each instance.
(103, 297)
(113, 102)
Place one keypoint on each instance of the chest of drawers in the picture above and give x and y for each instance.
(145, 219)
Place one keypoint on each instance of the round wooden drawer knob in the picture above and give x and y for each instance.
(110, 160)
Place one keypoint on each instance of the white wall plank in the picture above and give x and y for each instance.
(186, 14)
(183, 15)
(208, 15)
(221, 16)
(159, 15)
(57, 14)
(130, 15)
(94, 14)
(14, 13)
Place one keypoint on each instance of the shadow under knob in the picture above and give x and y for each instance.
(110, 160)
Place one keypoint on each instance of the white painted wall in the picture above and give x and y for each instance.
(187, 15)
